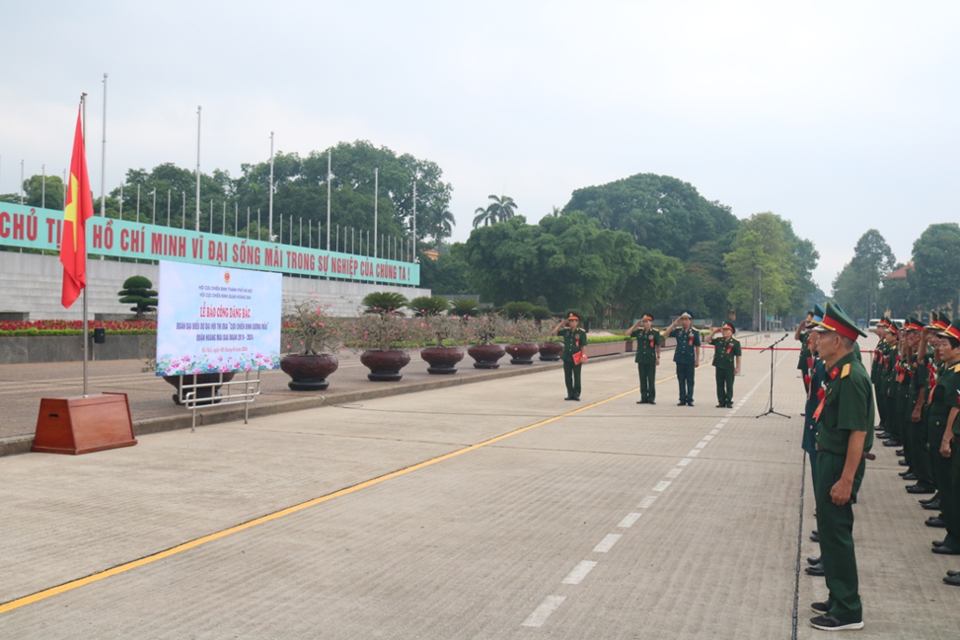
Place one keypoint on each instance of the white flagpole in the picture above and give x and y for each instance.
(270, 195)
(376, 196)
(103, 155)
(83, 292)
(328, 198)
(43, 187)
(414, 249)
(197, 228)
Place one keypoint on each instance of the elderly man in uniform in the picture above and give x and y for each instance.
(647, 358)
(726, 360)
(686, 355)
(574, 351)
(844, 434)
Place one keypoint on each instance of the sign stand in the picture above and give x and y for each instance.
(84, 424)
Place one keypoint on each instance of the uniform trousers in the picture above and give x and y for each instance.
(835, 528)
(648, 381)
(724, 385)
(942, 475)
(685, 375)
(571, 377)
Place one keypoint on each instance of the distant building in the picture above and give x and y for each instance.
(433, 254)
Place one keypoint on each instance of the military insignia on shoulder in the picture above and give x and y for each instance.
(833, 373)
(956, 369)
(846, 370)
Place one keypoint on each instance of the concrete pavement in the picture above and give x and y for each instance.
(492, 510)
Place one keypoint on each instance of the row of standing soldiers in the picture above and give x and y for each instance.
(916, 374)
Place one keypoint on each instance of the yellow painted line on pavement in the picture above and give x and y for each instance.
(123, 568)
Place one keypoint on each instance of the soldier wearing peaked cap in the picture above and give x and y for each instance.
(844, 433)
(802, 334)
(686, 355)
(726, 361)
(574, 353)
(647, 358)
(944, 410)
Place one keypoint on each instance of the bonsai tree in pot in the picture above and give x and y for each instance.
(441, 335)
(484, 329)
(310, 336)
(525, 335)
(380, 335)
(138, 291)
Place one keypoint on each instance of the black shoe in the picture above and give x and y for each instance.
(903, 473)
(730, 406)
(820, 607)
(920, 488)
(933, 505)
(893, 442)
(882, 435)
(945, 550)
(576, 399)
(898, 452)
(909, 475)
(721, 406)
(827, 622)
(814, 537)
(641, 402)
(953, 574)
(689, 403)
(937, 543)
(682, 403)
(815, 570)
(568, 398)
(953, 581)
(651, 402)
(812, 560)
(936, 522)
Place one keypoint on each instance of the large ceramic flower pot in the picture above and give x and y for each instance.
(522, 352)
(385, 365)
(442, 360)
(205, 395)
(550, 351)
(309, 372)
(486, 355)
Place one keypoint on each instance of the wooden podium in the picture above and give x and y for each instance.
(84, 424)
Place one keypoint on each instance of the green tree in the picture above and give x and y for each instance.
(42, 192)
(759, 266)
(659, 212)
(935, 277)
(500, 209)
(857, 286)
(138, 291)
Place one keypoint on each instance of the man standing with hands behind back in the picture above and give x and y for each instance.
(574, 351)
(686, 355)
(844, 434)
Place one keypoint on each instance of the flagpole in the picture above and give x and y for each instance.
(198, 170)
(270, 194)
(83, 292)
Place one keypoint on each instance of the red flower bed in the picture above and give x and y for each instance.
(77, 325)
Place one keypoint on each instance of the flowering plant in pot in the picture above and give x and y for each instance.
(484, 329)
(441, 335)
(525, 335)
(550, 348)
(311, 337)
(379, 335)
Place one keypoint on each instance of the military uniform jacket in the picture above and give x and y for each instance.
(923, 375)
(876, 368)
(847, 406)
(945, 396)
(573, 341)
(814, 397)
(687, 344)
(804, 364)
(647, 343)
(725, 352)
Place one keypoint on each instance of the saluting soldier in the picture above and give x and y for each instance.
(686, 355)
(944, 409)
(915, 423)
(876, 373)
(574, 351)
(726, 360)
(939, 467)
(647, 358)
(844, 434)
(888, 381)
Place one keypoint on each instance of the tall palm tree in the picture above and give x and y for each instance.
(499, 210)
(481, 217)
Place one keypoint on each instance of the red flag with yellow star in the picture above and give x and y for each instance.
(73, 243)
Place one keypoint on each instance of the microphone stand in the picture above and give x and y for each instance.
(771, 350)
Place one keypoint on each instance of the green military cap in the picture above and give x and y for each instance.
(818, 312)
(686, 314)
(912, 324)
(835, 320)
(953, 330)
(730, 325)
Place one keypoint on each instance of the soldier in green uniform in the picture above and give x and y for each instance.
(944, 408)
(648, 357)
(917, 455)
(574, 350)
(805, 362)
(726, 360)
(844, 434)
(938, 465)
(686, 355)
(876, 373)
(888, 381)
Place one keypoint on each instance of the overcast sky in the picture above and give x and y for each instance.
(839, 116)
